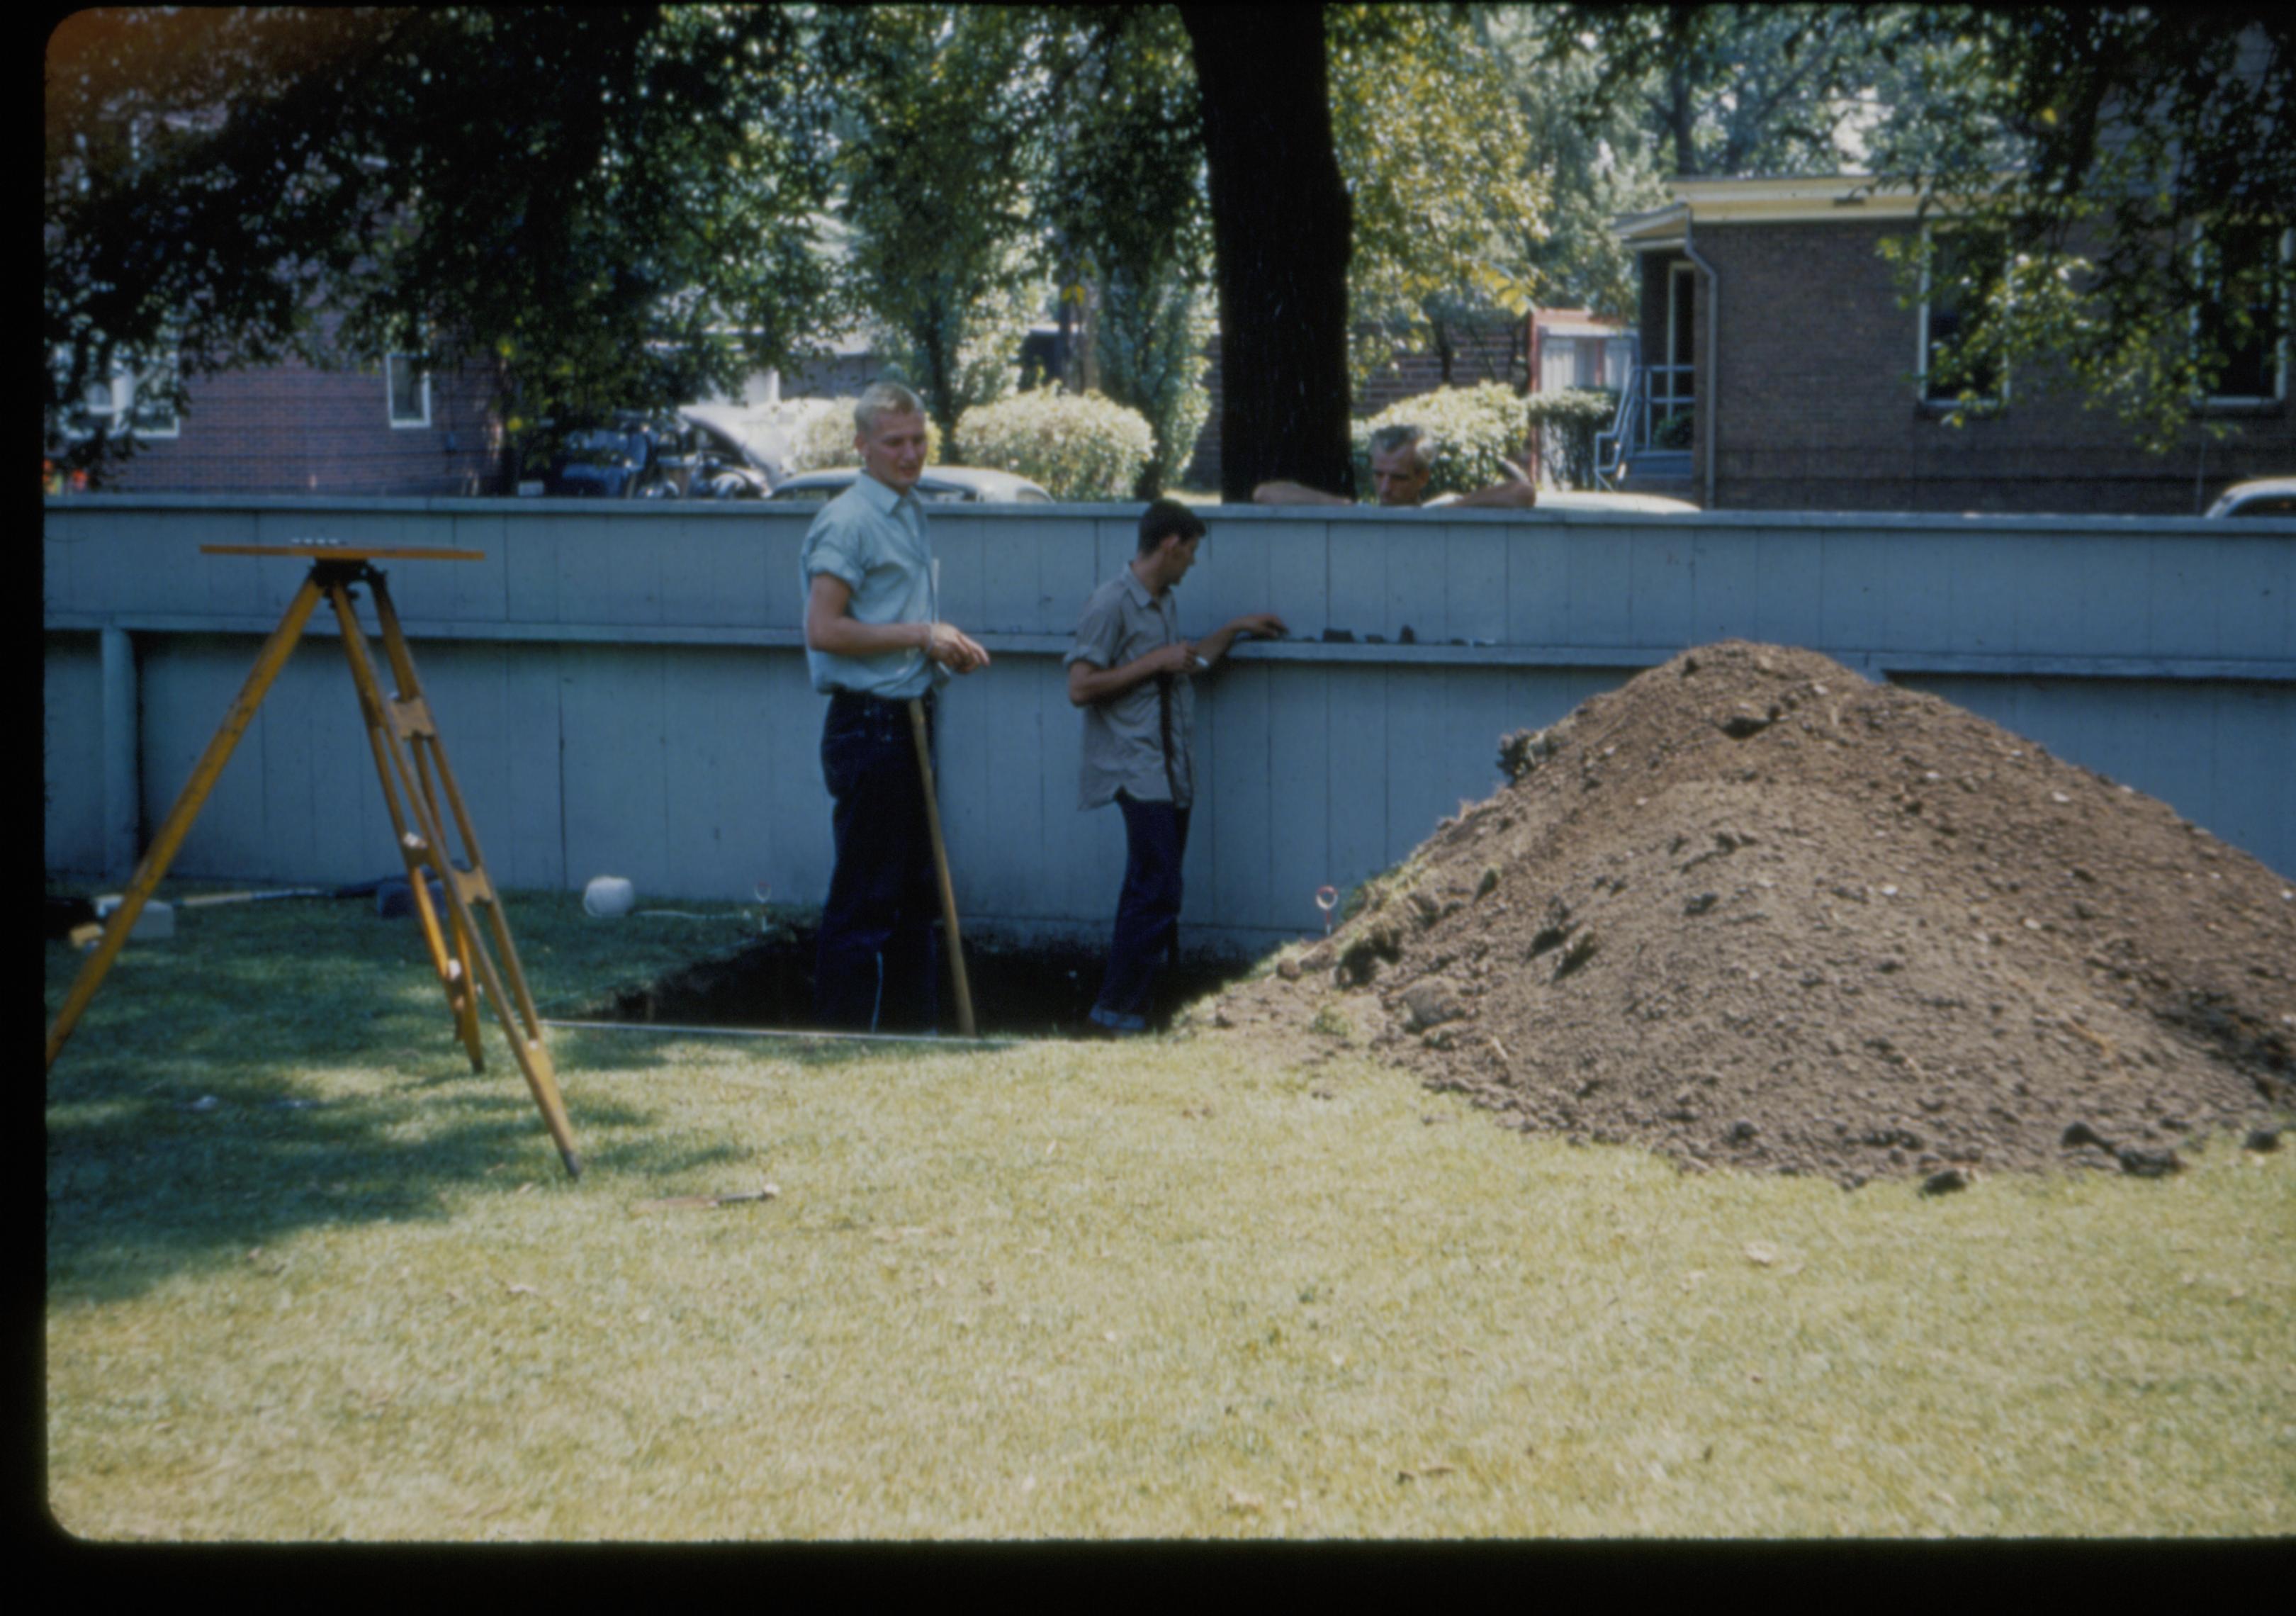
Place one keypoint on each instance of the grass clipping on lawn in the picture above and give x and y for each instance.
(310, 1277)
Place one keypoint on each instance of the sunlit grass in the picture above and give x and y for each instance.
(1057, 1290)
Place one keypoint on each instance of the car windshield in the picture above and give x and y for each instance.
(2266, 505)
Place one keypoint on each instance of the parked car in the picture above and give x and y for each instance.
(939, 482)
(2265, 497)
(623, 457)
(743, 453)
(720, 465)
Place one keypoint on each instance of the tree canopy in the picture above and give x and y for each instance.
(2136, 168)
(2130, 168)
(612, 207)
(626, 205)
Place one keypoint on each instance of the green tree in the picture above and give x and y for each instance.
(1439, 170)
(610, 207)
(1736, 89)
(938, 173)
(2132, 166)
(1594, 159)
(2137, 168)
(1124, 198)
(1151, 343)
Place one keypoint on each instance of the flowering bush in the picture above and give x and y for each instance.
(1077, 446)
(1476, 431)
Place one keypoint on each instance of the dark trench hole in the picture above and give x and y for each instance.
(1026, 988)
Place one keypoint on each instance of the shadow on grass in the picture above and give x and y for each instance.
(284, 1066)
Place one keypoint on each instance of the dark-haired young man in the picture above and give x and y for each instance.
(1131, 672)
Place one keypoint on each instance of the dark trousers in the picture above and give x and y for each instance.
(878, 968)
(1147, 911)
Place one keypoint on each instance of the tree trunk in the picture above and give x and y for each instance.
(1281, 231)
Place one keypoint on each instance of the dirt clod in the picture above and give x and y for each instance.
(1751, 909)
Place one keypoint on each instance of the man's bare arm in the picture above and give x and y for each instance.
(1517, 495)
(830, 626)
(1281, 493)
(1089, 683)
(1264, 625)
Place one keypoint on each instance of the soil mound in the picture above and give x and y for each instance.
(1751, 908)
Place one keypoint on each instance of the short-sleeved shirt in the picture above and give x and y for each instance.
(1128, 738)
(875, 539)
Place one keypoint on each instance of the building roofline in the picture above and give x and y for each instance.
(1772, 199)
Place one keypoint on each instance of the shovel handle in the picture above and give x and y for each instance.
(940, 867)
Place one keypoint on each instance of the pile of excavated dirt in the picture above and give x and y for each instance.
(1752, 909)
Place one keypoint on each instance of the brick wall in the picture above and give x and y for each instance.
(291, 429)
(1817, 408)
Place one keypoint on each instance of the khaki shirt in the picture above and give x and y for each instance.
(1125, 737)
(875, 539)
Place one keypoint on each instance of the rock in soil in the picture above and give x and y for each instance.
(1752, 909)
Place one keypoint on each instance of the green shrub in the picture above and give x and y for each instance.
(1077, 446)
(1476, 430)
(1570, 419)
(823, 435)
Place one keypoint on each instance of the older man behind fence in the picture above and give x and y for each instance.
(873, 641)
(1402, 457)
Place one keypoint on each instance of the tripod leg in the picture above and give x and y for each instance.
(453, 970)
(410, 718)
(188, 803)
(431, 753)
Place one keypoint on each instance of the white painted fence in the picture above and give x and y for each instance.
(621, 688)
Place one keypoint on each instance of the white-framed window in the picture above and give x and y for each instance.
(1957, 266)
(408, 387)
(2250, 357)
(133, 398)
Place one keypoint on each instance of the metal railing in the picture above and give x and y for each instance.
(1657, 410)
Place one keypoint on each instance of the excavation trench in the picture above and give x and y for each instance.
(1020, 988)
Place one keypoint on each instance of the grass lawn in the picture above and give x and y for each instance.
(310, 1277)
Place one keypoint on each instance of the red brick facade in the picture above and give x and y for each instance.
(1818, 407)
(293, 429)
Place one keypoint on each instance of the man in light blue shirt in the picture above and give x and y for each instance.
(873, 641)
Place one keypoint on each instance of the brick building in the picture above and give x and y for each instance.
(297, 429)
(1769, 297)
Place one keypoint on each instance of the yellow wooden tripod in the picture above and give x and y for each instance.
(411, 761)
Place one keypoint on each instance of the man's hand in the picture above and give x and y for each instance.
(1214, 646)
(954, 649)
(1177, 657)
(830, 626)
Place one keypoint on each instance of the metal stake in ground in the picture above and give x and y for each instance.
(941, 866)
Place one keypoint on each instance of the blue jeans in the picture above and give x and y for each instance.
(878, 965)
(1147, 912)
